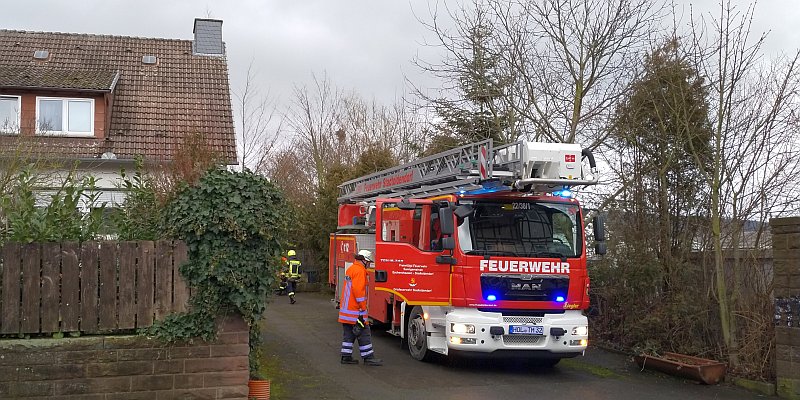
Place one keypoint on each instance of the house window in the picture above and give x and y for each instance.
(59, 116)
(9, 114)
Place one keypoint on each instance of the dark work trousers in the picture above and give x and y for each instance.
(291, 285)
(364, 342)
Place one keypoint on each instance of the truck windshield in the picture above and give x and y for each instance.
(523, 228)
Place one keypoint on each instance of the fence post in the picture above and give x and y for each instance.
(12, 270)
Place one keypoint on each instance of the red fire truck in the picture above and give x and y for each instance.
(478, 249)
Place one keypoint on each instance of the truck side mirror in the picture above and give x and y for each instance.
(448, 243)
(600, 248)
(462, 212)
(599, 225)
(404, 204)
(446, 220)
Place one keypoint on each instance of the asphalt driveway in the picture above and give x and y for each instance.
(301, 354)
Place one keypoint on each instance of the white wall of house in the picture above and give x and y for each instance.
(106, 173)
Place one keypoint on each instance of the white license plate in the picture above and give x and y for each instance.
(526, 330)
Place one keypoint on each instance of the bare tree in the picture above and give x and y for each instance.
(754, 165)
(562, 64)
(575, 59)
(370, 125)
(288, 169)
(260, 128)
(559, 66)
(473, 102)
(334, 127)
(314, 119)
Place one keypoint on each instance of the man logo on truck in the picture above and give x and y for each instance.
(526, 286)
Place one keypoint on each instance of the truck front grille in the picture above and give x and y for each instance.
(523, 340)
(523, 320)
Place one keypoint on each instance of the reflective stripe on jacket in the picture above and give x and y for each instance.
(353, 299)
(294, 268)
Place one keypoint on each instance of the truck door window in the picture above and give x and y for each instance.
(418, 227)
(398, 225)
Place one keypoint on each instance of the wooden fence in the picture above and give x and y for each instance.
(93, 287)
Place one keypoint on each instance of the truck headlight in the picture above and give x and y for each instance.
(580, 331)
(462, 328)
(458, 340)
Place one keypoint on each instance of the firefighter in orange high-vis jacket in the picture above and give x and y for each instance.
(353, 312)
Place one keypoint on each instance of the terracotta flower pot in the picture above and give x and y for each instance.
(259, 390)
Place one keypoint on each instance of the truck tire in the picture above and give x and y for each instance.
(417, 336)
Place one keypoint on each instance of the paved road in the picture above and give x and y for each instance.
(301, 349)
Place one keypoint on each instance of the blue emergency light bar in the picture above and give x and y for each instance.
(565, 193)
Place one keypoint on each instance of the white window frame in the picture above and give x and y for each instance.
(19, 114)
(65, 117)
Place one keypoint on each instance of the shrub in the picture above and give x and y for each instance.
(31, 214)
(234, 225)
(140, 215)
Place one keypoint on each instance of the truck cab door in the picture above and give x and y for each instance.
(408, 242)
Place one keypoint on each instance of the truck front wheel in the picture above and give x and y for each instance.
(417, 335)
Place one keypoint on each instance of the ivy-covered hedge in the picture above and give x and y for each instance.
(235, 225)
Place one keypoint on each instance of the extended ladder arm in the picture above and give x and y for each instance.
(452, 167)
(524, 166)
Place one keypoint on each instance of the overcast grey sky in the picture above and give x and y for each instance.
(366, 45)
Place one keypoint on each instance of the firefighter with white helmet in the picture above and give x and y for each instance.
(293, 265)
(353, 312)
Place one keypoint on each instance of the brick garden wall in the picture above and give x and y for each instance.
(786, 258)
(127, 367)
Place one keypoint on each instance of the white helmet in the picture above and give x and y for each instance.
(365, 254)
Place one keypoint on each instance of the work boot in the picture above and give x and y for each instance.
(374, 362)
(291, 299)
(348, 360)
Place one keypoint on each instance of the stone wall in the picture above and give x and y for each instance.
(127, 367)
(786, 258)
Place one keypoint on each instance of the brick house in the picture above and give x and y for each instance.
(96, 102)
